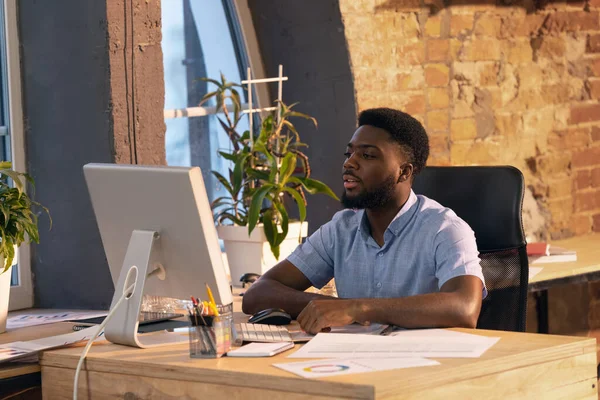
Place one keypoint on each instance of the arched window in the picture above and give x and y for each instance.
(203, 39)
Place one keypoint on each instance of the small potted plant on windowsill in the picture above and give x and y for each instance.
(267, 167)
(18, 224)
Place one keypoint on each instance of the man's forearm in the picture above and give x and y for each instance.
(421, 311)
(268, 293)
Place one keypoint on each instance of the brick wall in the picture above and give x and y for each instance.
(514, 85)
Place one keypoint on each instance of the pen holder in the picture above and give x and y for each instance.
(210, 337)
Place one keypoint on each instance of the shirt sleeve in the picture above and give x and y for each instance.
(456, 254)
(314, 257)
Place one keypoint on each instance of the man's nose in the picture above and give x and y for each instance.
(350, 163)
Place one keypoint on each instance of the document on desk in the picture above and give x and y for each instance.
(345, 366)
(40, 317)
(15, 350)
(434, 343)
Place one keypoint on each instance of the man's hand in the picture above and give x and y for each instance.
(321, 314)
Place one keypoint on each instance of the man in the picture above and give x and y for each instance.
(397, 258)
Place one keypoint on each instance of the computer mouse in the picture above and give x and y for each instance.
(249, 277)
(271, 316)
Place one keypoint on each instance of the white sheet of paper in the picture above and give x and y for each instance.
(372, 329)
(440, 344)
(344, 366)
(48, 317)
(15, 350)
(533, 271)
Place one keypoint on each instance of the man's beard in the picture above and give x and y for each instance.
(373, 199)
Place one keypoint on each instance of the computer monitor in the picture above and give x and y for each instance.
(159, 220)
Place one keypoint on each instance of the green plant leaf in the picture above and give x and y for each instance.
(228, 156)
(288, 165)
(270, 228)
(314, 186)
(256, 205)
(238, 174)
(284, 223)
(207, 97)
(299, 202)
(256, 174)
(224, 182)
(232, 218)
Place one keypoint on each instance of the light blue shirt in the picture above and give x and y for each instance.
(426, 245)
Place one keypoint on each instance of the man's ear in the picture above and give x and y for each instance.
(406, 172)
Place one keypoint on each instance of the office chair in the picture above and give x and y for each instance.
(489, 199)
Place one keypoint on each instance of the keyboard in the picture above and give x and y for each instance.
(246, 332)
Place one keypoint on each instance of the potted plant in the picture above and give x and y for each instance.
(268, 170)
(18, 224)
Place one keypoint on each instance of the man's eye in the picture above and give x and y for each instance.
(347, 154)
(367, 156)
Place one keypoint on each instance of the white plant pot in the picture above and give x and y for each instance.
(253, 254)
(4, 295)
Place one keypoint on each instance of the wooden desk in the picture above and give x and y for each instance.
(23, 379)
(585, 269)
(29, 333)
(520, 365)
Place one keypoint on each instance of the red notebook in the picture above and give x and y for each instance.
(538, 249)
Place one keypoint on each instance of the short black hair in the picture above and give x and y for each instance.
(403, 129)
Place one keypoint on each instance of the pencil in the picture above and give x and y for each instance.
(210, 295)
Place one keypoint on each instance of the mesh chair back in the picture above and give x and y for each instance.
(490, 200)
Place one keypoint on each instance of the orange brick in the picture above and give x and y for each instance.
(595, 133)
(519, 51)
(587, 201)
(488, 25)
(583, 179)
(463, 129)
(412, 53)
(410, 102)
(461, 24)
(594, 3)
(414, 79)
(581, 224)
(586, 157)
(437, 49)
(551, 164)
(560, 209)
(593, 44)
(593, 67)
(552, 47)
(572, 138)
(438, 120)
(560, 188)
(482, 50)
(595, 177)
(508, 124)
(456, 49)
(594, 89)
(438, 98)
(488, 73)
(571, 21)
(433, 26)
(437, 75)
(584, 113)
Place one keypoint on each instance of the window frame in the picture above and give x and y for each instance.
(21, 296)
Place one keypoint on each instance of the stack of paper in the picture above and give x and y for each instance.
(347, 353)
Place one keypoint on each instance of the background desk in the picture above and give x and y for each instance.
(585, 269)
(25, 377)
(520, 365)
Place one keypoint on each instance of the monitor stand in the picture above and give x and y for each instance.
(123, 325)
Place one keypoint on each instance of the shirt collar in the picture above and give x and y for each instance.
(397, 224)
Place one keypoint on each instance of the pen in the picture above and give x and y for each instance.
(212, 300)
